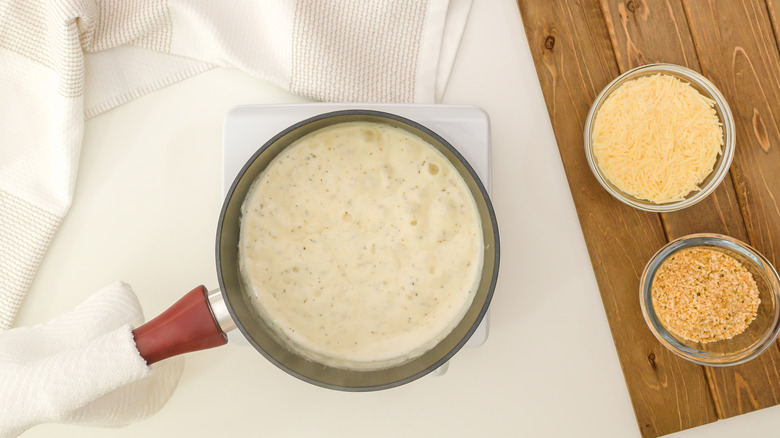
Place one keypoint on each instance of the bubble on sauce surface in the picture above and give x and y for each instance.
(433, 169)
(369, 135)
(388, 171)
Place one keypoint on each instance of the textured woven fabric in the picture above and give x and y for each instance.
(25, 231)
(376, 44)
(82, 367)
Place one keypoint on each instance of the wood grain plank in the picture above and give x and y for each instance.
(737, 49)
(649, 31)
(773, 6)
(574, 61)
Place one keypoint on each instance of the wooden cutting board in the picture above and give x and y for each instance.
(578, 47)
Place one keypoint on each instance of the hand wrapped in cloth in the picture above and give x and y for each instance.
(82, 367)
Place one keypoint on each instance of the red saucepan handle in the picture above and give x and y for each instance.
(186, 326)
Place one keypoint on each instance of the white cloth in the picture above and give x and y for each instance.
(82, 367)
(62, 61)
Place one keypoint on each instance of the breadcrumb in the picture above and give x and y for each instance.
(704, 295)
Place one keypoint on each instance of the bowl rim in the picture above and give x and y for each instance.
(689, 353)
(729, 134)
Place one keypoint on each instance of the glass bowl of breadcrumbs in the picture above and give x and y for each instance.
(711, 299)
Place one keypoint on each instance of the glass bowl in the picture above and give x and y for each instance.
(707, 89)
(760, 334)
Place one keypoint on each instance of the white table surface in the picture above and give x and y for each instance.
(146, 208)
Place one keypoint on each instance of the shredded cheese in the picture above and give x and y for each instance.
(657, 138)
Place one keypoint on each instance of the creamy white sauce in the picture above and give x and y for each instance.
(362, 245)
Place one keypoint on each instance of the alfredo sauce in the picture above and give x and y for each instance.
(362, 246)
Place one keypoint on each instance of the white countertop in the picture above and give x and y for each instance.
(146, 208)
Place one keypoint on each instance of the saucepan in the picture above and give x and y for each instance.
(201, 318)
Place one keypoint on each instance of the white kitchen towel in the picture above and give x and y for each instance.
(82, 367)
(64, 60)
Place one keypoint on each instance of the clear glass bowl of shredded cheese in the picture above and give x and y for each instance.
(737, 346)
(651, 148)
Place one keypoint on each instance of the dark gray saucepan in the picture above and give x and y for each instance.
(200, 319)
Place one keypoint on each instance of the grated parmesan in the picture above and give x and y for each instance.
(657, 138)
